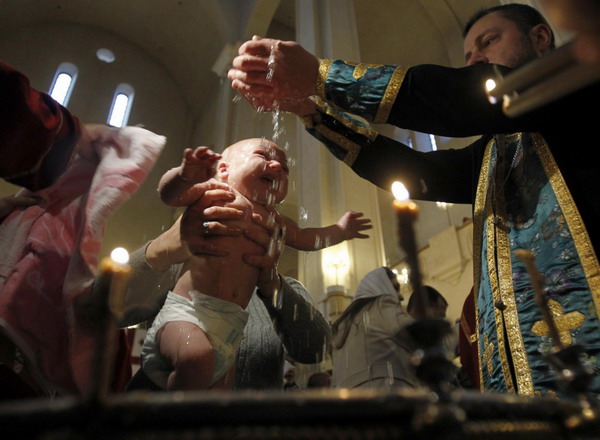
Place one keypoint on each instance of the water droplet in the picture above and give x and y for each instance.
(318, 242)
(278, 129)
(271, 64)
(303, 213)
(272, 247)
(390, 371)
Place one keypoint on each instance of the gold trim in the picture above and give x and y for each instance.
(508, 318)
(328, 110)
(488, 353)
(495, 240)
(324, 67)
(587, 255)
(361, 69)
(389, 96)
(352, 148)
(504, 291)
(511, 316)
(478, 221)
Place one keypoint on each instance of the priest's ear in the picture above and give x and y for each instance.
(542, 38)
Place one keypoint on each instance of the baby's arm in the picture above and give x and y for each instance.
(312, 239)
(196, 167)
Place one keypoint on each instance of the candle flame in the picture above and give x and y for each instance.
(490, 85)
(400, 192)
(120, 255)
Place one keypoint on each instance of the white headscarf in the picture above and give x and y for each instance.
(375, 283)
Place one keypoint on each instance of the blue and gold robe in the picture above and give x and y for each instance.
(532, 181)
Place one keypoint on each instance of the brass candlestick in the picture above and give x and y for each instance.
(432, 363)
(109, 292)
(407, 212)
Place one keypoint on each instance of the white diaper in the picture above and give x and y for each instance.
(222, 321)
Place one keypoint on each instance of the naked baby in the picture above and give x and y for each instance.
(193, 340)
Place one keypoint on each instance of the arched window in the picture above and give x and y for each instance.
(121, 105)
(433, 142)
(63, 83)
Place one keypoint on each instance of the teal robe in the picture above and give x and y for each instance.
(544, 198)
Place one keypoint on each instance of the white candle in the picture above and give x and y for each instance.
(407, 212)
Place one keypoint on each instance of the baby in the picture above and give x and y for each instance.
(193, 340)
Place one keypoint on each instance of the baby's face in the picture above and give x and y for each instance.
(258, 169)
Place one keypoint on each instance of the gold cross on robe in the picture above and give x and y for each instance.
(565, 322)
(487, 353)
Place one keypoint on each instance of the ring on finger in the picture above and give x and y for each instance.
(205, 228)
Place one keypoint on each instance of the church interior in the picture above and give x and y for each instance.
(170, 59)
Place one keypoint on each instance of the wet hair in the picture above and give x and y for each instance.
(524, 16)
(433, 297)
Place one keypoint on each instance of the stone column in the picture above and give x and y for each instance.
(328, 187)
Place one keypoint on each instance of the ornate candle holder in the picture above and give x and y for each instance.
(106, 309)
(433, 365)
(540, 82)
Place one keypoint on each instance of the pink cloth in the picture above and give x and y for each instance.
(49, 254)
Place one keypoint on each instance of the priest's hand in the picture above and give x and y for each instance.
(273, 74)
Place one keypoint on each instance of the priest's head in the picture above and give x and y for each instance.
(509, 35)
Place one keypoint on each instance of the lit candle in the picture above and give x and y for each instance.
(407, 213)
(110, 284)
(544, 80)
(116, 271)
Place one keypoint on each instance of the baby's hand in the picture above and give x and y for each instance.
(351, 224)
(197, 165)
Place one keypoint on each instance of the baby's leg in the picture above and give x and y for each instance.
(191, 354)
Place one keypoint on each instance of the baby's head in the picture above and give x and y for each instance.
(257, 168)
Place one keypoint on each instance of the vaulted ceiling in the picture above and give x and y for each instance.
(187, 36)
